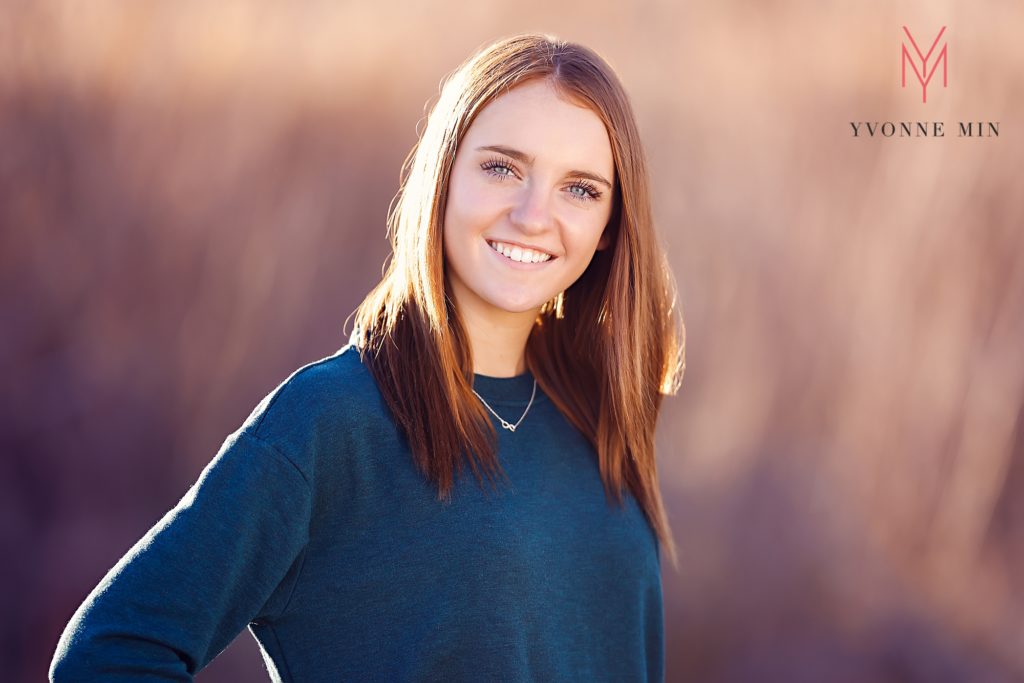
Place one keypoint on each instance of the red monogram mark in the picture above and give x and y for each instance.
(942, 56)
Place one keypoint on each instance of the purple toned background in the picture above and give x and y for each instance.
(193, 198)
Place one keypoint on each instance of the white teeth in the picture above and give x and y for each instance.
(519, 254)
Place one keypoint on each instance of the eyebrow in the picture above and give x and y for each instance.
(525, 158)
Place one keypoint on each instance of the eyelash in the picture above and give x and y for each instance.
(592, 192)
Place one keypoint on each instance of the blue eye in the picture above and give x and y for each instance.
(497, 163)
(589, 194)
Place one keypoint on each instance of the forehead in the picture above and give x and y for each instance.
(534, 119)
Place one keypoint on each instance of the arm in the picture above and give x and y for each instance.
(183, 592)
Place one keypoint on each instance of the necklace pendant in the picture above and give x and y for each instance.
(505, 423)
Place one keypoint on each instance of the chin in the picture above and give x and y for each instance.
(519, 309)
(516, 306)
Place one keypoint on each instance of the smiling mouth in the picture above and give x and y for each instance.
(518, 254)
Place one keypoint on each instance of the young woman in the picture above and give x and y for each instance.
(524, 330)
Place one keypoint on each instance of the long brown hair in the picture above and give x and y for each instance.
(604, 351)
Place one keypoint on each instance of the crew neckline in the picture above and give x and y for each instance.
(508, 390)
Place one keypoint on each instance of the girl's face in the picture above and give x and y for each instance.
(532, 178)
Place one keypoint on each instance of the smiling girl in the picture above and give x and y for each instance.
(525, 329)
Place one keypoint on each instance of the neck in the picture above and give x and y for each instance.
(497, 339)
(499, 347)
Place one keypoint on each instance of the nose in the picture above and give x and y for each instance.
(533, 214)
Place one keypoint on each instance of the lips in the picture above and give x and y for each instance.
(520, 253)
(508, 260)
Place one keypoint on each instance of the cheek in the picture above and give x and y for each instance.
(456, 222)
(584, 240)
(470, 201)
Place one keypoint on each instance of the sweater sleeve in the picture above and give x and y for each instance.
(207, 569)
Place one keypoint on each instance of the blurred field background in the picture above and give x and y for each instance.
(193, 197)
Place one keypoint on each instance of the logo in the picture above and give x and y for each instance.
(888, 129)
(943, 56)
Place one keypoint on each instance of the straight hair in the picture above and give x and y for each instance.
(605, 350)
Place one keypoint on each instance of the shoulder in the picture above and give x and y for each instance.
(316, 405)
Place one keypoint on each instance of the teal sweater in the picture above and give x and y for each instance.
(313, 529)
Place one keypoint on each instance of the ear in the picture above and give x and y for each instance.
(604, 241)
